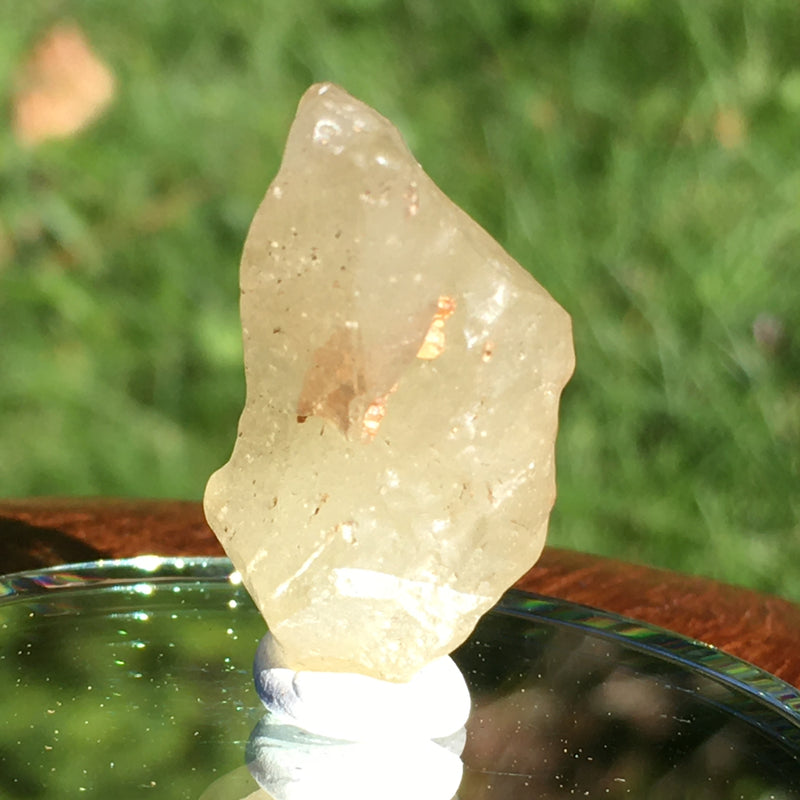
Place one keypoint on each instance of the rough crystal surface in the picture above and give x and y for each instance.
(393, 472)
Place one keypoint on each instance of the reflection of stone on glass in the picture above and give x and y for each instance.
(292, 764)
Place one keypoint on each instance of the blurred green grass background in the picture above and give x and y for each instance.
(640, 158)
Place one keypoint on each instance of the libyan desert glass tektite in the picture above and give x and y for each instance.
(394, 468)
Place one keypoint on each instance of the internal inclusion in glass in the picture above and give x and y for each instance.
(143, 667)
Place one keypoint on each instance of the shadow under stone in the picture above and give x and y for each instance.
(24, 547)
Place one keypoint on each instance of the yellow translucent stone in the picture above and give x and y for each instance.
(394, 470)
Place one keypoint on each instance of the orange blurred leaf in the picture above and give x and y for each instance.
(63, 87)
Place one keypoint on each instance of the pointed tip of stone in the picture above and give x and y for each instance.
(326, 92)
(318, 89)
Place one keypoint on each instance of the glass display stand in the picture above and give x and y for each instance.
(132, 679)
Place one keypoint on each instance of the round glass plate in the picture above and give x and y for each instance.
(132, 679)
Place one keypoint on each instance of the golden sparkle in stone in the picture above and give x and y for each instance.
(434, 343)
(374, 415)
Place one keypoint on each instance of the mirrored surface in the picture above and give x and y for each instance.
(133, 680)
